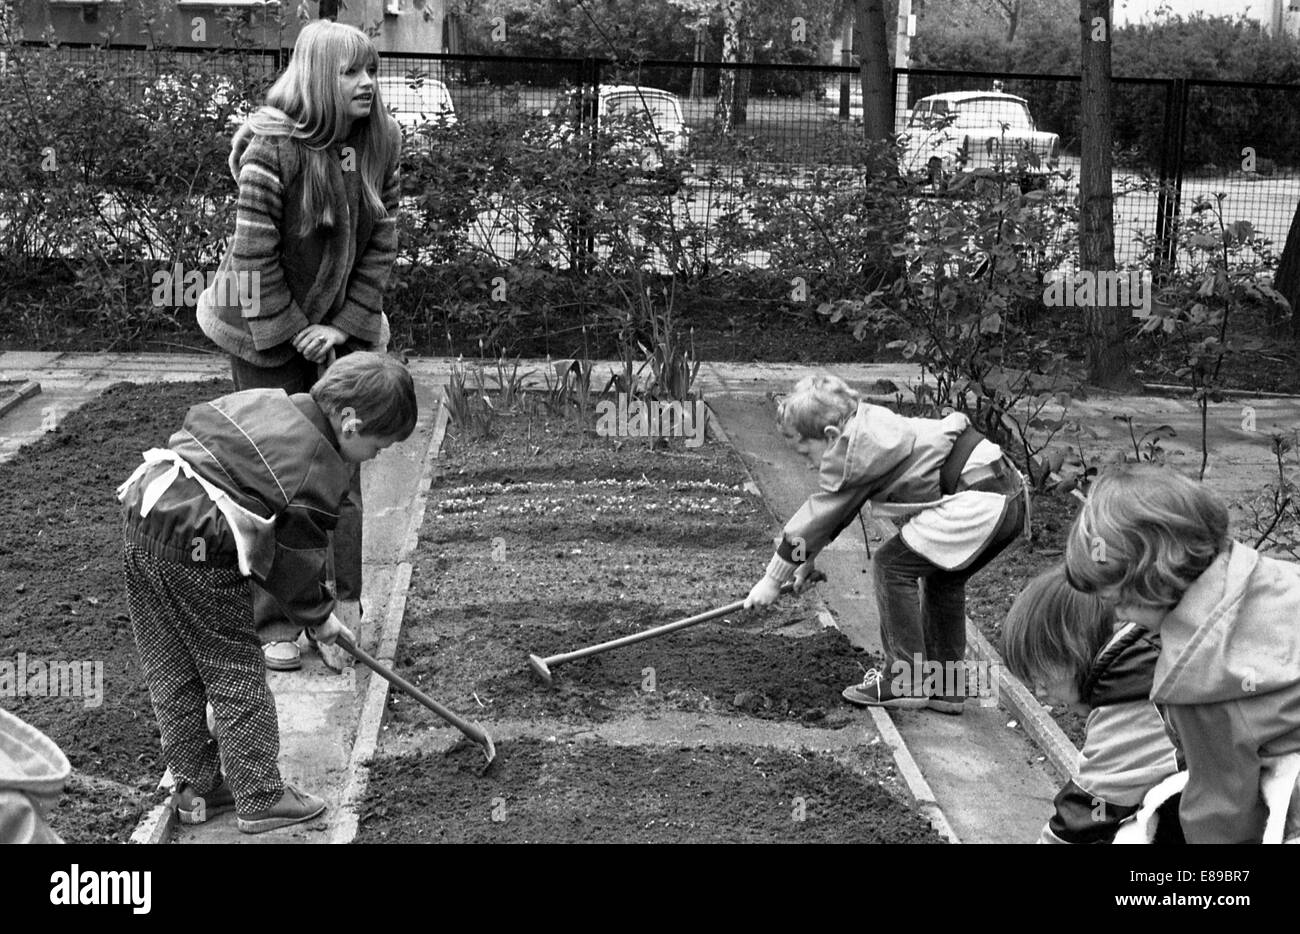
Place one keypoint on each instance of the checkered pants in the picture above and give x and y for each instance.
(194, 630)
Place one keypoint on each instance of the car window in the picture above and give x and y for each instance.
(920, 114)
(994, 111)
(431, 97)
(662, 110)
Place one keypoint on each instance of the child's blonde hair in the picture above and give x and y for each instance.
(1053, 630)
(815, 403)
(306, 104)
(1148, 531)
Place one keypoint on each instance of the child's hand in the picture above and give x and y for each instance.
(805, 575)
(764, 593)
(330, 630)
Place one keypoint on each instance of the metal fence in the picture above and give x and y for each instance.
(1177, 140)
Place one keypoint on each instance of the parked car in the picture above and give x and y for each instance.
(646, 122)
(416, 99)
(965, 130)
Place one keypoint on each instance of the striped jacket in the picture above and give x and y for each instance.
(328, 277)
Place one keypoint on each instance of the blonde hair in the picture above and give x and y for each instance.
(815, 403)
(306, 104)
(1053, 630)
(1148, 531)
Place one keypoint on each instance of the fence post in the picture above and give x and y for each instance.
(1169, 198)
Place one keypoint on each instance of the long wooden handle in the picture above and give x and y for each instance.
(473, 731)
(667, 627)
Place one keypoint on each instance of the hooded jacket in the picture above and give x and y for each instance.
(1126, 750)
(1228, 682)
(275, 458)
(894, 461)
(274, 281)
(32, 773)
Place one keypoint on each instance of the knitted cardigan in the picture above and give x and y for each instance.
(275, 281)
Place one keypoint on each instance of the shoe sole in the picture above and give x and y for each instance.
(897, 703)
(275, 823)
(189, 817)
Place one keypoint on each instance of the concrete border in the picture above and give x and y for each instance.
(1061, 754)
(16, 398)
(372, 711)
(907, 766)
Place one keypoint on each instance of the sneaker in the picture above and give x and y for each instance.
(195, 808)
(294, 807)
(282, 656)
(876, 691)
(947, 703)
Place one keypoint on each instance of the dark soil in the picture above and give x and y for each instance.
(584, 792)
(597, 539)
(543, 540)
(61, 595)
(708, 668)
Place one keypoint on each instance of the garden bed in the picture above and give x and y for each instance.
(584, 792)
(514, 560)
(543, 539)
(60, 580)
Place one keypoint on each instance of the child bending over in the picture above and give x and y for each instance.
(247, 491)
(965, 501)
(1071, 649)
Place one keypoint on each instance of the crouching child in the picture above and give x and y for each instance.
(248, 490)
(964, 502)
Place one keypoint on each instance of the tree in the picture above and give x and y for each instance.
(1108, 358)
(733, 12)
(877, 76)
(1287, 278)
(1011, 10)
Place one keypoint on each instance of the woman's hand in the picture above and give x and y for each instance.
(317, 340)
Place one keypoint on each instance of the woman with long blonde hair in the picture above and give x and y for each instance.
(314, 244)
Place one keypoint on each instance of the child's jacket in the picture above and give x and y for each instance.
(32, 773)
(1126, 750)
(259, 489)
(335, 276)
(895, 461)
(1228, 681)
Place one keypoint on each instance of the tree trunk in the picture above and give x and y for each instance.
(744, 78)
(877, 86)
(1013, 20)
(1287, 278)
(725, 112)
(1108, 359)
